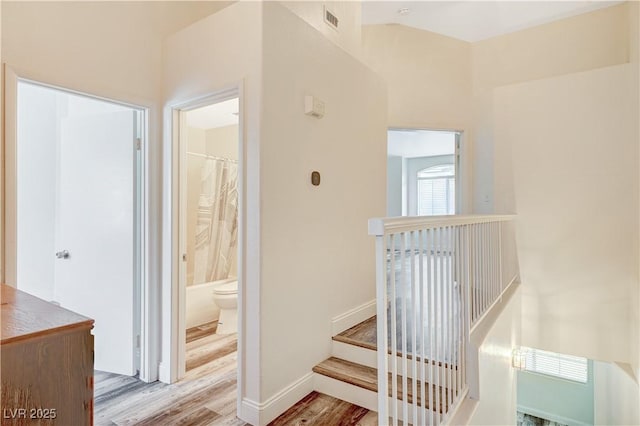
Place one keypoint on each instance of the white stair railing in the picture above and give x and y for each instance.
(436, 277)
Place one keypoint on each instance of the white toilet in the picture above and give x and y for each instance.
(226, 297)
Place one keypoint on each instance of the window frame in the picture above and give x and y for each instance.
(449, 178)
(552, 357)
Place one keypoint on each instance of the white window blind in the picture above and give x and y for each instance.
(558, 365)
(436, 190)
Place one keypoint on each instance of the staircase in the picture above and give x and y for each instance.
(350, 373)
(436, 280)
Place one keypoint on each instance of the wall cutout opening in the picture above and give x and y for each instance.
(423, 172)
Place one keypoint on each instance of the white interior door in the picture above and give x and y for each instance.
(94, 272)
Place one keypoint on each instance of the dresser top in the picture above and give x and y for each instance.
(25, 316)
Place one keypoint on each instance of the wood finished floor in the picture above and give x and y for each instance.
(322, 410)
(207, 394)
(367, 378)
(363, 334)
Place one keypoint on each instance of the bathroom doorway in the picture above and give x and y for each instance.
(74, 214)
(209, 140)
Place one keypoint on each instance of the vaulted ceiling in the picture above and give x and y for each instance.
(474, 20)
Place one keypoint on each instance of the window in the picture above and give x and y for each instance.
(436, 190)
(558, 365)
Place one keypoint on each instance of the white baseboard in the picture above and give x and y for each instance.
(353, 317)
(164, 374)
(259, 414)
(549, 416)
(464, 414)
(249, 412)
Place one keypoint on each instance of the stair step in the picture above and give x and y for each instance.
(364, 335)
(367, 378)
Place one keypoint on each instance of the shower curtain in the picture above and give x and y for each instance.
(217, 227)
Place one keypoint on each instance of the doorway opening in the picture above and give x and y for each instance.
(423, 172)
(78, 218)
(208, 236)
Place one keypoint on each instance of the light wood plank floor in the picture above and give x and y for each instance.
(207, 394)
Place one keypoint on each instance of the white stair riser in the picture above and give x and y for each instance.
(369, 358)
(346, 392)
(355, 354)
(362, 397)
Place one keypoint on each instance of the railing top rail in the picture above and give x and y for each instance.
(392, 225)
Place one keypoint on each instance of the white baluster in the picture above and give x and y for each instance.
(394, 369)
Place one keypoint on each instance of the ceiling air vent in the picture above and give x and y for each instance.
(330, 18)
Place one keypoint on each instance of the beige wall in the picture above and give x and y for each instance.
(196, 140)
(318, 261)
(552, 93)
(634, 57)
(81, 50)
(2, 202)
(223, 142)
(497, 379)
(559, 149)
(615, 396)
(541, 148)
(192, 71)
(428, 82)
(581, 43)
(349, 14)
(575, 189)
(300, 226)
(109, 49)
(428, 76)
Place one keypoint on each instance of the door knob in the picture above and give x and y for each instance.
(64, 254)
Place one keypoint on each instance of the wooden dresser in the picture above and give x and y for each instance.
(46, 357)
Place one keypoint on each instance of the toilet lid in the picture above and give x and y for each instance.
(228, 288)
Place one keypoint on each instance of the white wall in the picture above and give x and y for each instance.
(497, 381)
(575, 180)
(615, 395)
(232, 56)
(318, 261)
